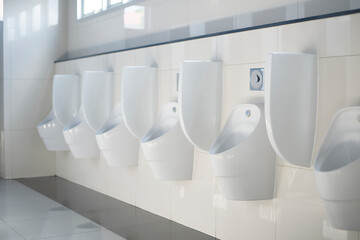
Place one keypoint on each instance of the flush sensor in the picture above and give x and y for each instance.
(256, 79)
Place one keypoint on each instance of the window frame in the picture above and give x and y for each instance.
(109, 7)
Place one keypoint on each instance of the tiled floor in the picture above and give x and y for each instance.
(34, 216)
(26, 214)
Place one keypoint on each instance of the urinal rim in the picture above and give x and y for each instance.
(50, 117)
(319, 162)
(116, 108)
(142, 141)
(258, 106)
(83, 120)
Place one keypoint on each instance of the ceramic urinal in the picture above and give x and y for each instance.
(65, 100)
(242, 157)
(96, 105)
(169, 154)
(200, 94)
(139, 99)
(118, 146)
(337, 170)
(291, 104)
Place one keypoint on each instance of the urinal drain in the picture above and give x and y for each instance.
(248, 113)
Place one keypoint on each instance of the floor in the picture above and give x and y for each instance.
(55, 209)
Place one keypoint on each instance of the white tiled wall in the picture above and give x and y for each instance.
(35, 34)
(164, 16)
(296, 212)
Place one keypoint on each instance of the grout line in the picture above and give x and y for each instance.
(341, 56)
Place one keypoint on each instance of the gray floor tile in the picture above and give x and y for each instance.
(6, 233)
(54, 226)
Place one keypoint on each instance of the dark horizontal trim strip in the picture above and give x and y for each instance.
(329, 15)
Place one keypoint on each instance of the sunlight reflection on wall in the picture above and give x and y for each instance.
(134, 17)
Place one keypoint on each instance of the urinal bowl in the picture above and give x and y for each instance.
(50, 130)
(118, 146)
(169, 154)
(337, 170)
(80, 137)
(242, 157)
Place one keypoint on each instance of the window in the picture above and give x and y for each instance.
(87, 8)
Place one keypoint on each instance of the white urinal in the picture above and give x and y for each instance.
(65, 101)
(169, 154)
(119, 147)
(291, 104)
(200, 94)
(242, 157)
(139, 99)
(96, 104)
(337, 170)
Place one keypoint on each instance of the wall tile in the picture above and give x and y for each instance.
(236, 87)
(123, 59)
(107, 32)
(6, 169)
(175, 12)
(193, 202)
(247, 47)
(300, 211)
(60, 68)
(91, 173)
(164, 88)
(319, 7)
(117, 87)
(7, 54)
(327, 37)
(151, 194)
(174, 83)
(29, 155)
(201, 49)
(122, 183)
(32, 63)
(351, 73)
(73, 40)
(91, 64)
(89, 36)
(239, 220)
(332, 72)
(154, 57)
(245, 6)
(31, 102)
(7, 104)
(203, 10)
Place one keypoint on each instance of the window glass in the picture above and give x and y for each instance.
(90, 7)
(112, 2)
